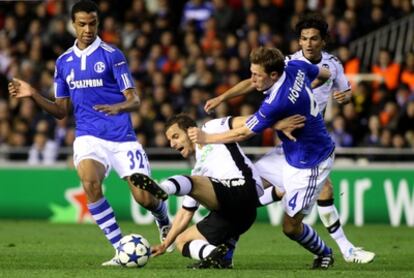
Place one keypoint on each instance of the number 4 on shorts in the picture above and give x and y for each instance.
(292, 201)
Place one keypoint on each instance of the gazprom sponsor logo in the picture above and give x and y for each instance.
(84, 83)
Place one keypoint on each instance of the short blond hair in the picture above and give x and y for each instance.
(270, 58)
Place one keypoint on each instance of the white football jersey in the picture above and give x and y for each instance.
(222, 161)
(337, 81)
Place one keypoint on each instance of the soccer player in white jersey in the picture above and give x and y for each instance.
(95, 78)
(223, 179)
(308, 159)
(312, 32)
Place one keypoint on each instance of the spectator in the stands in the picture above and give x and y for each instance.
(407, 73)
(339, 134)
(372, 138)
(43, 150)
(406, 118)
(389, 116)
(196, 12)
(387, 68)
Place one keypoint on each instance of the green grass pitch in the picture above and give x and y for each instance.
(41, 249)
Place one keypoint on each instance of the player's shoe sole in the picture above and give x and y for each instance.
(146, 183)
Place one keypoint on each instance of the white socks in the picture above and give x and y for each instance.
(177, 185)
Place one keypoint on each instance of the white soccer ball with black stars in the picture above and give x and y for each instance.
(134, 251)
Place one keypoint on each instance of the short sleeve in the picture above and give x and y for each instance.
(60, 86)
(259, 122)
(121, 71)
(341, 82)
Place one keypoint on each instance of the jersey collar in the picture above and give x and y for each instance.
(312, 62)
(89, 50)
(275, 87)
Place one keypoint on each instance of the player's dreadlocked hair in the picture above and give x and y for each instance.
(312, 21)
(87, 6)
(183, 121)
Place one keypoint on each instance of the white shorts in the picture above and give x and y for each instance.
(301, 186)
(125, 157)
(270, 167)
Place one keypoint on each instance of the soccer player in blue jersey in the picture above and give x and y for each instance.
(309, 158)
(312, 31)
(95, 78)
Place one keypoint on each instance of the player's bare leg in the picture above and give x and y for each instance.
(330, 219)
(91, 174)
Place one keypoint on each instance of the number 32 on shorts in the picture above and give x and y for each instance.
(137, 159)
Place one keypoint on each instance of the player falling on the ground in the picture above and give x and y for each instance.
(223, 180)
(312, 32)
(95, 78)
(308, 159)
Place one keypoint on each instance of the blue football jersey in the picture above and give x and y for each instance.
(96, 75)
(291, 95)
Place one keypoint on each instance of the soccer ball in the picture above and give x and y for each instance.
(133, 251)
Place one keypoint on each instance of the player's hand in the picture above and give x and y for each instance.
(341, 97)
(211, 104)
(19, 88)
(196, 135)
(289, 124)
(107, 109)
(158, 250)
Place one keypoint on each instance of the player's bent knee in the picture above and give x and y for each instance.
(291, 228)
(180, 246)
(93, 190)
(326, 192)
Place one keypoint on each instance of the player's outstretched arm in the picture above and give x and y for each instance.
(241, 88)
(342, 97)
(286, 125)
(130, 104)
(180, 223)
(21, 89)
(198, 136)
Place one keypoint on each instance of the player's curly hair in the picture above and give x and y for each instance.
(313, 20)
(183, 121)
(87, 6)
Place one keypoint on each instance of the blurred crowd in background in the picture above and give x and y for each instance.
(182, 53)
